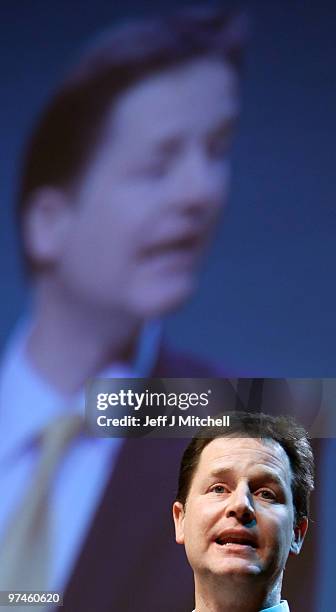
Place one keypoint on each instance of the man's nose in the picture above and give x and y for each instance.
(240, 505)
(203, 182)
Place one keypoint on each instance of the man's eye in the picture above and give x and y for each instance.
(219, 148)
(266, 494)
(218, 489)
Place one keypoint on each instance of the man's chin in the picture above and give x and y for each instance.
(154, 302)
(236, 567)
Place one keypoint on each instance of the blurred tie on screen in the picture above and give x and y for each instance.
(26, 552)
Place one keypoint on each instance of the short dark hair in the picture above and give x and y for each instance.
(282, 429)
(68, 130)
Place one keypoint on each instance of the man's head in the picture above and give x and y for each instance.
(128, 165)
(242, 502)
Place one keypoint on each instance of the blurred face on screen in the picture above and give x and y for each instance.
(150, 196)
(238, 520)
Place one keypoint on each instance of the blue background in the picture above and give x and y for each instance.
(267, 298)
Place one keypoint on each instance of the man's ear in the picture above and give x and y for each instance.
(299, 533)
(46, 224)
(178, 515)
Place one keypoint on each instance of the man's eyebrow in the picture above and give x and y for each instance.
(168, 145)
(221, 471)
(265, 475)
(171, 144)
(268, 476)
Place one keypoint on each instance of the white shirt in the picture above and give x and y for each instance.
(27, 405)
(280, 607)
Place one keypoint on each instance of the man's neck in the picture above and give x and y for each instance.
(219, 597)
(69, 344)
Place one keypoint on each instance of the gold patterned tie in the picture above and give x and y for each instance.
(25, 551)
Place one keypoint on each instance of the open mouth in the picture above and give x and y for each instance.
(231, 540)
(181, 245)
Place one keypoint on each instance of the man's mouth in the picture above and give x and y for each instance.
(184, 244)
(236, 539)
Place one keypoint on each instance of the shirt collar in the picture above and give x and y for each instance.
(280, 607)
(28, 403)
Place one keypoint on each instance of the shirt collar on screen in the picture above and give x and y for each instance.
(23, 423)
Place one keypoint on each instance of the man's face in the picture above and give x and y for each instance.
(238, 520)
(150, 197)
